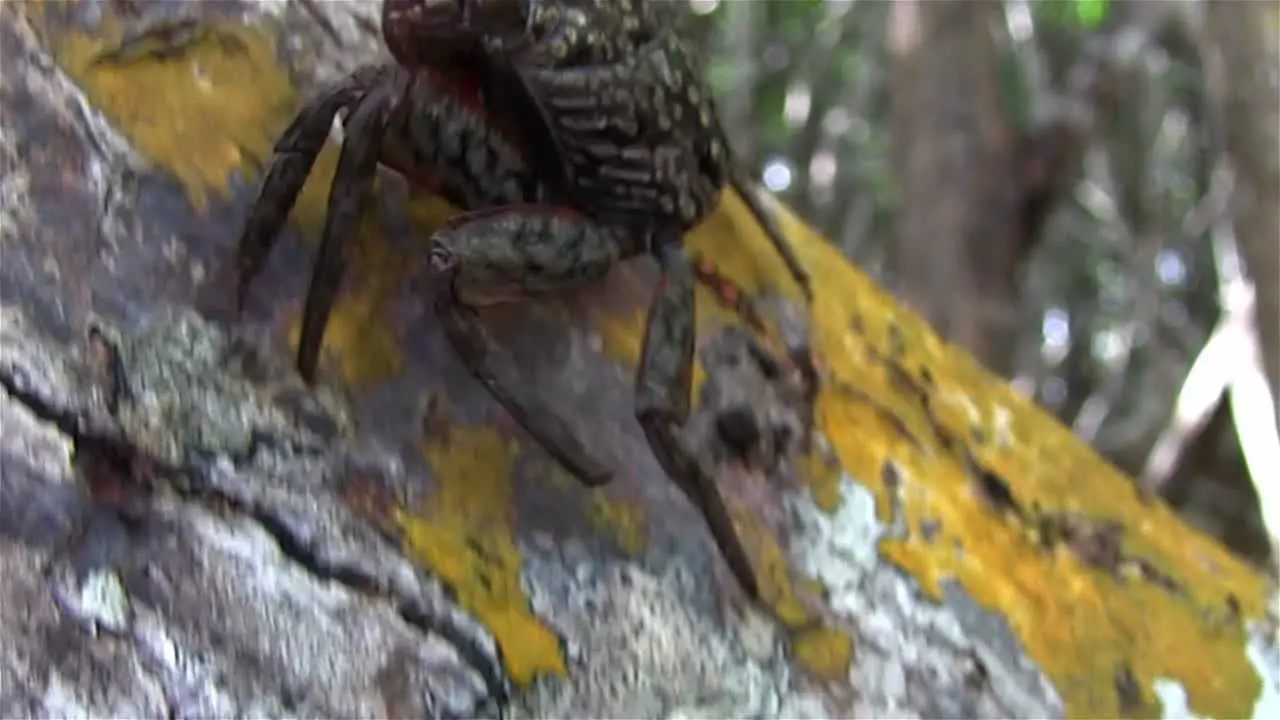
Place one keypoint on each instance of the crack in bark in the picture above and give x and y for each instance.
(91, 439)
(409, 609)
(67, 420)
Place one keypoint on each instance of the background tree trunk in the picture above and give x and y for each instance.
(954, 149)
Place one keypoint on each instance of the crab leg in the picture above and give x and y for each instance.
(664, 385)
(291, 160)
(352, 184)
(502, 255)
(769, 222)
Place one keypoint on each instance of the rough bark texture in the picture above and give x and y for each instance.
(189, 532)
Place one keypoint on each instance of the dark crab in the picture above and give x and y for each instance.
(549, 205)
(617, 118)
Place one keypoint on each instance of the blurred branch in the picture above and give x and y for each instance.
(1050, 156)
(1144, 307)
(1231, 364)
(853, 212)
(1242, 52)
(857, 219)
(1030, 54)
(978, 186)
(1141, 222)
(1210, 210)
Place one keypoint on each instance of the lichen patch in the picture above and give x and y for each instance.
(973, 473)
(897, 395)
(213, 110)
(465, 535)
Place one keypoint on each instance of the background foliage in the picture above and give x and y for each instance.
(1121, 285)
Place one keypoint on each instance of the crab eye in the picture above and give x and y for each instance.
(442, 259)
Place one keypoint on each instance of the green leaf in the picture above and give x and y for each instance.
(1090, 13)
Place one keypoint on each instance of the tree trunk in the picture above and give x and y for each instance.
(954, 150)
(190, 532)
(976, 192)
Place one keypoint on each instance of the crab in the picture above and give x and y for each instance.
(622, 153)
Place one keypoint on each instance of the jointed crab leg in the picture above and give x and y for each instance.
(291, 162)
(769, 223)
(501, 255)
(497, 371)
(609, 119)
(664, 385)
(352, 183)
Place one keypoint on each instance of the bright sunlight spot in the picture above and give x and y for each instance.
(704, 7)
(777, 175)
(1170, 268)
(1056, 329)
(796, 107)
(822, 169)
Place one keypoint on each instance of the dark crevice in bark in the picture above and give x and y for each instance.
(103, 447)
(409, 609)
(67, 420)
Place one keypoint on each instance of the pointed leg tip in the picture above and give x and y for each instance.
(742, 570)
(307, 369)
(588, 472)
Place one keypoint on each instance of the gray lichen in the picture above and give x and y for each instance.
(246, 591)
(966, 658)
(242, 584)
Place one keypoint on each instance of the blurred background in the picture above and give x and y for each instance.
(1083, 193)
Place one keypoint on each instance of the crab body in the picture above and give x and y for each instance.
(638, 141)
(616, 152)
(423, 130)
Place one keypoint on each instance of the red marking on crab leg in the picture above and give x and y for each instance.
(662, 397)
(728, 293)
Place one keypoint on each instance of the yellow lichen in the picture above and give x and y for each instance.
(773, 567)
(358, 336)
(621, 333)
(200, 116)
(465, 535)
(1073, 620)
(896, 394)
(554, 475)
(821, 474)
(624, 522)
(824, 652)
(217, 108)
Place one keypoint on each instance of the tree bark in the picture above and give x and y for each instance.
(954, 148)
(191, 532)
